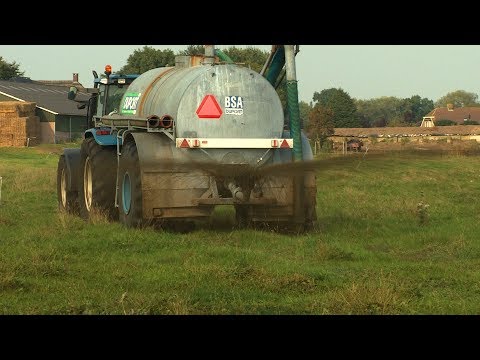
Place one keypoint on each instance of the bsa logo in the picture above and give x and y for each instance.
(233, 105)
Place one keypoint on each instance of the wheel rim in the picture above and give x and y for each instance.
(126, 193)
(63, 189)
(87, 184)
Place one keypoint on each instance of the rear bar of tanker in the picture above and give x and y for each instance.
(222, 143)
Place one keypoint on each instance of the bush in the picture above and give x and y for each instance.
(422, 211)
(471, 122)
(327, 146)
(445, 122)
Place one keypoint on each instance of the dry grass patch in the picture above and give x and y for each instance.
(379, 295)
(99, 216)
(430, 251)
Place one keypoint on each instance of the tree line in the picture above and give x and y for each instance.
(382, 111)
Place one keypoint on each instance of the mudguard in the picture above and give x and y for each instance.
(168, 192)
(103, 139)
(72, 159)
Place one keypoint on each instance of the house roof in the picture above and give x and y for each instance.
(408, 131)
(47, 97)
(457, 114)
(59, 83)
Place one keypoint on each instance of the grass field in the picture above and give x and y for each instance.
(375, 250)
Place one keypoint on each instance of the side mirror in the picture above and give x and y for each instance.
(72, 93)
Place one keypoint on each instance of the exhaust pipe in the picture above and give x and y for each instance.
(153, 121)
(166, 122)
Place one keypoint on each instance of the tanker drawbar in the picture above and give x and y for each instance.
(177, 141)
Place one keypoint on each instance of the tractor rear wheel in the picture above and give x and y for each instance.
(67, 200)
(97, 179)
(130, 202)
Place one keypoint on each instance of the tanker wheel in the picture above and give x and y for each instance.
(130, 200)
(243, 220)
(97, 181)
(310, 217)
(311, 208)
(67, 200)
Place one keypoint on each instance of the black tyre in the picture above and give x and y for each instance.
(130, 203)
(67, 200)
(97, 181)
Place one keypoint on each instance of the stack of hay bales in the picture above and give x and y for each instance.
(18, 124)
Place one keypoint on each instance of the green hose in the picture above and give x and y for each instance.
(276, 66)
(222, 56)
(294, 114)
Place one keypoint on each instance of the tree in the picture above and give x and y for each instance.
(393, 111)
(320, 124)
(9, 70)
(415, 108)
(371, 113)
(250, 56)
(459, 98)
(304, 112)
(397, 121)
(193, 50)
(148, 58)
(342, 105)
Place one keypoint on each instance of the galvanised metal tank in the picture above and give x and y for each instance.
(179, 91)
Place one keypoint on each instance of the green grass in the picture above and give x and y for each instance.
(368, 255)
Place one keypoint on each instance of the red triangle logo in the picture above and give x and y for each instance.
(209, 108)
(285, 144)
(184, 144)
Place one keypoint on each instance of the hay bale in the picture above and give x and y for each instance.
(18, 108)
(6, 139)
(18, 123)
(16, 131)
(8, 114)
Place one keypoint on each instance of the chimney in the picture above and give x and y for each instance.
(450, 107)
(209, 54)
(75, 77)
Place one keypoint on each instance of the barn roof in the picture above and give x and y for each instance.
(47, 97)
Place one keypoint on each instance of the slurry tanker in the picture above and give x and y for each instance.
(169, 145)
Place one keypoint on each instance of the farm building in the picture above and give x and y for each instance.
(60, 119)
(458, 115)
(406, 134)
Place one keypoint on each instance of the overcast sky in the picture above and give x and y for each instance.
(364, 71)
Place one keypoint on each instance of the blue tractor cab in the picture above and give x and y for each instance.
(106, 94)
(111, 89)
